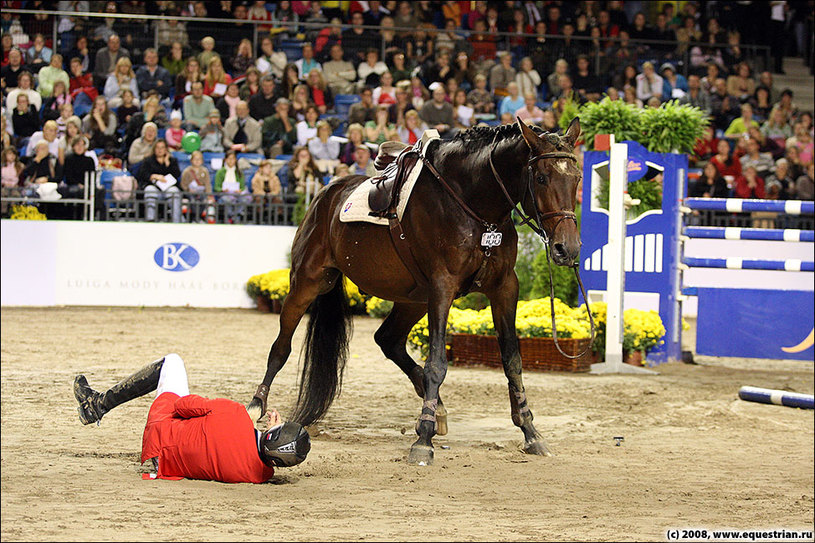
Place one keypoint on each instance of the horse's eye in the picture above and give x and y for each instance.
(541, 179)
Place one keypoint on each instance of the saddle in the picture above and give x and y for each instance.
(395, 160)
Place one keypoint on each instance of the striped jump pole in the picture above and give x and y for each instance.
(777, 397)
(738, 263)
(738, 205)
(764, 234)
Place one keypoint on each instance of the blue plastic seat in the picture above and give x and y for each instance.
(343, 102)
(292, 48)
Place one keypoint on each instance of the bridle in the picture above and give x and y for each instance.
(539, 230)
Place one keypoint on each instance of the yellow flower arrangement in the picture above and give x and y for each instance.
(274, 285)
(27, 213)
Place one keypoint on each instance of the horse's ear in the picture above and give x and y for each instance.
(529, 135)
(573, 132)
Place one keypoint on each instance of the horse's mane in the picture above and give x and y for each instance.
(483, 136)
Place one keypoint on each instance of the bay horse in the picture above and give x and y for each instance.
(458, 196)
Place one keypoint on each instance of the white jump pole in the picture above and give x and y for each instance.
(615, 276)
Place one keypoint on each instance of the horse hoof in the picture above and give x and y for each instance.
(421, 455)
(537, 447)
(255, 409)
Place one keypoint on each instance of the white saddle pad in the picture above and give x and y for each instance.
(356, 209)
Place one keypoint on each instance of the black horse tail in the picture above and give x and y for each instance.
(329, 331)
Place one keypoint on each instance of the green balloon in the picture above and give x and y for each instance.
(191, 142)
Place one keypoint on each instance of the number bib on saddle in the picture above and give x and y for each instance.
(491, 239)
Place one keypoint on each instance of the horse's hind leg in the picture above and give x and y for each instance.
(306, 285)
(504, 301)
(392, 339)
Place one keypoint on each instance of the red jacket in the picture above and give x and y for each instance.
(198, 438)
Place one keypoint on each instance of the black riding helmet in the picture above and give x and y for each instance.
(285, 445)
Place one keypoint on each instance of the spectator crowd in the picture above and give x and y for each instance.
(191, 111)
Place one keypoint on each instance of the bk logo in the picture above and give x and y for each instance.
(176, 257)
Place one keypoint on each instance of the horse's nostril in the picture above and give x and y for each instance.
(560, 249)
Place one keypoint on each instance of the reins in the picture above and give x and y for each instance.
(538, 229)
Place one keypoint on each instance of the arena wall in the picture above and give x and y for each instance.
(47, 263)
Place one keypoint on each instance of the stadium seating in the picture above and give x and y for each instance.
(343, 102)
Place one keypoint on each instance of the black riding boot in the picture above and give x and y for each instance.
(93, 405)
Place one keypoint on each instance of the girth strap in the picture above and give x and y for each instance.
(402, 246)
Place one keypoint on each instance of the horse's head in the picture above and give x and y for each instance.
(554, 174)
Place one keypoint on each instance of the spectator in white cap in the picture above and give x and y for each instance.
(175, 133)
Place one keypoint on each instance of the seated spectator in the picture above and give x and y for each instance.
(708, 81)
(765, 144)
(77, 166)
(802, 142)
(776, 127)
(527, 77)
(197, 185)
(530, 112)
(304, 176)
(242, 132)
(257, 12)
(306, 63)
(761, 103)
(749, 184)
(307, 128)
(121, 79)
(480, 97)
(158, 176)
(184, 80)
(741, 84)
(710, 184)
(805, 184)
(696, 96)
(100, 126)
(385, 93)
(705, 147)
(38, 55)
(66, 111)
(243, 58)
(142, 147)
(364, 110)
(81, 51)
(152, 77)
(400, 70)
(279, 130)
(151, 112)
(73, 129)
(207, 53)
(300, 102)
(266, 185)
(250, 85)
(355, 40)
(48, 134)
(174, 61)
(442, 70)
(323, 146)
(290, 80)
(674, 85)
(80, 82)
(513, 101)
(356, 136)
(371, 70)
(59, 96)
(50, 74)
(397, 110)
(585, 82)
(413, 128)
(107, 57)
(439, 114)
(227, 103)
(501, 75)
(727, 165)
(464, 111)
(626, 78)
(740, 125)
(212, 133)
(418, 92)
(12, 70)
(216, 79)
(376, 130)
(780, 182)
(786, 105)
(12, 169)
(363, 165)
(24, 86)
(171, 32)
(483, 47)
(40, 170)
(197, 106)
(175, 132)
(339, 74)
(319, 94)
(230, 187)
(649, 83)
(553, 79)
(270, 62)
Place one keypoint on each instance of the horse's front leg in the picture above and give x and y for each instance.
(504, 301)
(435, 369)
